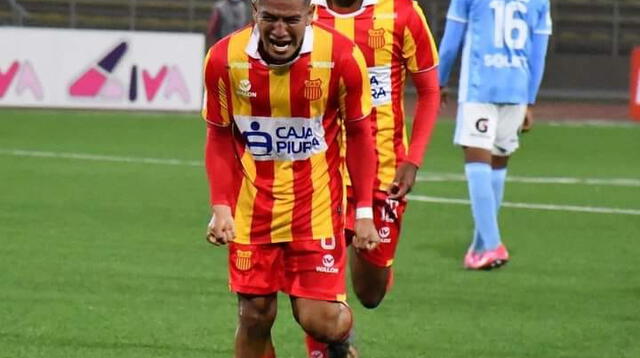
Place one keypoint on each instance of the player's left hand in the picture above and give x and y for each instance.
(404, 181)
(528, 120)
(221, 228)
(366, 235)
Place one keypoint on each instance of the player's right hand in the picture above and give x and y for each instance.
(221, 229)
(444, 96)
(366, 235)
(528, 120)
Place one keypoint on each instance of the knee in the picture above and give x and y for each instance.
(370, 301)
(331, 325)
(257, 314)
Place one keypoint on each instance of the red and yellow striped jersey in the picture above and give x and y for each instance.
(287, 124)
(394, 37)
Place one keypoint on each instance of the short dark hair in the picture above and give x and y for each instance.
(306, 2)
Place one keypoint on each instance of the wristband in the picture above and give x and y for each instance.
(364, 213)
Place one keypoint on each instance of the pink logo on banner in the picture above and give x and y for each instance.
(7, 78)
(152, 84)
(26, 78)
(176, 84)
(99, 80)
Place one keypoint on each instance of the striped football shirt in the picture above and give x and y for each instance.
(394, 38)
(287, 124)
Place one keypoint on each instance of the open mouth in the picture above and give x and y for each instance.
(280, 46)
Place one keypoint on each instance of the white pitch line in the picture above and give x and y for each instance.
(436, 177)
(446, 177)
(442, 177)
(99, 158)
(573, 208)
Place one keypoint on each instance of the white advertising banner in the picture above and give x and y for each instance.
(100, 69)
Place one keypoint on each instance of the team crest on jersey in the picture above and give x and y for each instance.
(243, 260)
(376, 38)
(313, 89)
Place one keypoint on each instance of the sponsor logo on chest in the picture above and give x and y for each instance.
(288, 139)
(380, 81)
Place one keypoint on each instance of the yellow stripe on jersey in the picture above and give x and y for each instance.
(244, 207)
(239, 70)
(282, 189)
(321, 58)
(321, 220)
(222, 97)
(346, 26)
(238, 62)
(384, 54)
(366, 101)
(384, 112)
(204, 75)
(321, 67)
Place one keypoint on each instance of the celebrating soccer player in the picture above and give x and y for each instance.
(277, 98)
(395, 39)
(505, 43)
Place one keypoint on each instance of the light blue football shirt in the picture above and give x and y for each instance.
(495, 66)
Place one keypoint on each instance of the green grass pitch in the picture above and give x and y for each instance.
(103, 254)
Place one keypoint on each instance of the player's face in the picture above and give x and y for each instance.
(281, 24)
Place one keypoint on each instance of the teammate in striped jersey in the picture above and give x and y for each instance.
(395, 39)
(277, 99)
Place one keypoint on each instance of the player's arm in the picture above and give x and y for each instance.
(424, 120)
(221, 171)
(539, 45)
(449, 47)
(356, 107)
(421, 61)
(454, 30)
(220, 166)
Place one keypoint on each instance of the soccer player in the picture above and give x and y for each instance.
(395, 39)
(505, 43)
(277, 98)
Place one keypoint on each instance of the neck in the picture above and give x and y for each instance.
(344, 6)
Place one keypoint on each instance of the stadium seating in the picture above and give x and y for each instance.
(581, 26)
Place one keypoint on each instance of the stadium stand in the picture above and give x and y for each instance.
(605, 27)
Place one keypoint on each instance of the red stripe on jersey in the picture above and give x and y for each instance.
(374, 131)
(397, 79)
(263, 203)
(325, 18)
(419, 31)
(364, 23)
(303, 190)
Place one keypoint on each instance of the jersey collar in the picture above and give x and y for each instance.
(364, 5)
(254, 42)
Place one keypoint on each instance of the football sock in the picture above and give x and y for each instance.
(483, 204)
(315, 348)
(498, 178)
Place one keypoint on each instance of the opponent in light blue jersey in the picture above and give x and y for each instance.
(502, 58)
(504, 46)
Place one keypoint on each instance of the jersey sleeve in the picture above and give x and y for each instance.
(459, 11)
(544, 24)
(355, 90)
(215, 108)
(419, 49)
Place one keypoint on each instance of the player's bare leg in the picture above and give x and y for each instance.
(370, 282)
(256, 315)
(499, 162)
(325, 321)
(477, 155)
